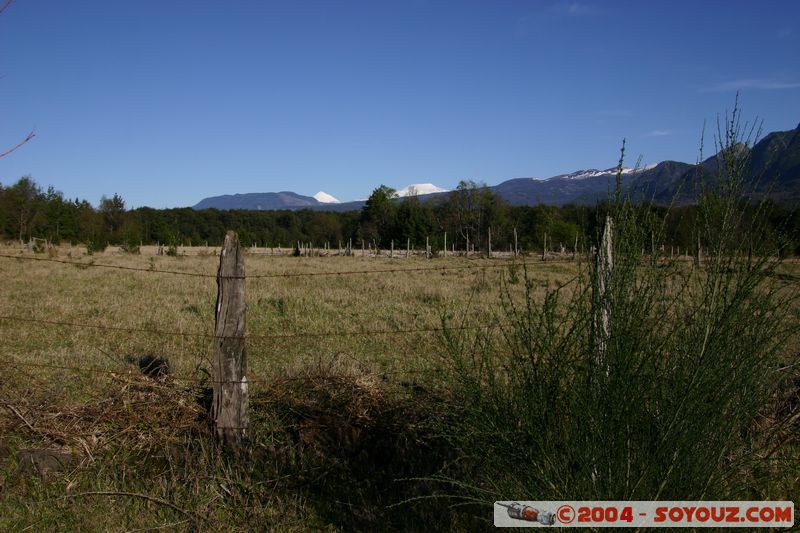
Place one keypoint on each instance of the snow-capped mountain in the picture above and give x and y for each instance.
(776, 156)
(591, 173)
(325, 198)
(419, 189)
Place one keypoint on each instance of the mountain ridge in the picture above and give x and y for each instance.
(775, 172)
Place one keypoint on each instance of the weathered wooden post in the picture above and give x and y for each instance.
(544, 247)
(391, 252)
(408, 247)
(516, 247)
(231, 401)
(698, 258)
(445, 245)
(653, 251)
(427, 248)
(602, 299)
(489, 245)
(575, 248)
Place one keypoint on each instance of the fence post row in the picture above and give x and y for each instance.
(230, 403)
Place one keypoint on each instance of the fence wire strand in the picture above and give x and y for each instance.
(277, 336)
(506, 263)
(132, 370)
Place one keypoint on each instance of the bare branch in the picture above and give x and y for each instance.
(19, 415)
(5, 5)
(187, 514)
(30, 136)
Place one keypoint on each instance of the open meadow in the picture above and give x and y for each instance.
(73, 335)
(350, 376)
(385, 321)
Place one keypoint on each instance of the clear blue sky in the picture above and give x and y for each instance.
(167, 102)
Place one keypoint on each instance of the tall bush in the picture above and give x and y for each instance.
(678, 403)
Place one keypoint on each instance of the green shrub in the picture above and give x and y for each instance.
(92, 247)
(676, 403)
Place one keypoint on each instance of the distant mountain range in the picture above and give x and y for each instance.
(775, 171)
(262, 201)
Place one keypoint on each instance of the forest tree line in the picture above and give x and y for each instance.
(468, 215)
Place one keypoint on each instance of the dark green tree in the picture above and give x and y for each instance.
(378, 215)
(24, 201)
(112, 209)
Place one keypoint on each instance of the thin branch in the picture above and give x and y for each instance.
(30, 136)
(5, 5)
(155, 528)
(187, 514)
(59, 439)
(19, 415)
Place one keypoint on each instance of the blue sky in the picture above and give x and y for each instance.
(167, 102)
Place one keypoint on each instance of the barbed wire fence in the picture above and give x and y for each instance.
(17, 361)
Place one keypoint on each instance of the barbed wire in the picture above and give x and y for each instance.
(387, 270)
(209, 380)
(281, 274)
(116, 267)
(424, 329)
(194, 378)
(104, 327)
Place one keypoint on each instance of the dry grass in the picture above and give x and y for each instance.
(337, 419)
(301, 306)
(324, 405)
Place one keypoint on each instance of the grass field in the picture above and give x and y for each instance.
(302, 310)
(298, 326)
(137, 454)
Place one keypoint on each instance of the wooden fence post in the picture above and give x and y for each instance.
(516, 246)
(602, 299)
(575, 248)
(698, 258)
(231, 401)
(544, 247)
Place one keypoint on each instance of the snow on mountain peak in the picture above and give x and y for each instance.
(420, 188)
(325, 198)
(592, 172)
